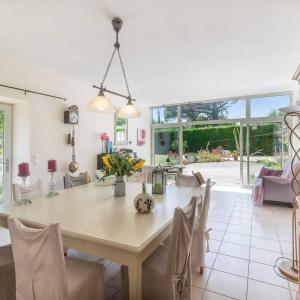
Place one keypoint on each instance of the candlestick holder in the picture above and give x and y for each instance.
(24, 193)
(52, 185)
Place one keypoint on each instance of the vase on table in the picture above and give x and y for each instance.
(120, 186)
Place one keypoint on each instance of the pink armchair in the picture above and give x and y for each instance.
(275, 185)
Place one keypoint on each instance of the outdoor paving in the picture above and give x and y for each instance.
(223, 173)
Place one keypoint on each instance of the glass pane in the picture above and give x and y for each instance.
(269, 106)
(166, 146)
(121, 130)
(222, 110)
(164, 115)
(213, 150)
(268, 146)
(1, 156)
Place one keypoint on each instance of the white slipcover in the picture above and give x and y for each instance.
(43, 273)
(167, 272)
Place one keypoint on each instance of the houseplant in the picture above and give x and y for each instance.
(121, 165)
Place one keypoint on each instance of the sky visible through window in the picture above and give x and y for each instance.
(260, 107)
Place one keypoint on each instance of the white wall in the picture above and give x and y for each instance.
(39, 131)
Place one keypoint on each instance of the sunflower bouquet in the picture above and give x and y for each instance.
(121, 165)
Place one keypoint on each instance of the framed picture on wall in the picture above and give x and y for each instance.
(141, 136)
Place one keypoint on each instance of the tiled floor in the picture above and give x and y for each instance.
(245, 243)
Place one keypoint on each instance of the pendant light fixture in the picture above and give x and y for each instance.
(101, 103)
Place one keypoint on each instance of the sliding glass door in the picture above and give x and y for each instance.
(5, 152)
(266, 144)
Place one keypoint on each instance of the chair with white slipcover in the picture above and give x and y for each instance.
(7, 274)
(200, 232)
(194, 180)
(42, 272)
(167, 272)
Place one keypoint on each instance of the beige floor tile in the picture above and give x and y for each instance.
(263, 291)
(240, 221)
(227, 284)
(213, 296)
(214, 245)
(216, 234)
(235, 250)
(218, 218)
(266, 274)
(231, 265)
(216, 225)
(286, 247)
(199, 280)
(197, 293)
(237, 214)
(264, 256)
(238, 229)
(265, 232)
(210, 258)
(266, 244)
(236, 238)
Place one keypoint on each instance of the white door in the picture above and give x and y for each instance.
(5, 151)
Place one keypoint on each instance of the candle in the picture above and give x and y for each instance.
(52, 167)
(24, 169)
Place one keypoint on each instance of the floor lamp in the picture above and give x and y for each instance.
(289, 268)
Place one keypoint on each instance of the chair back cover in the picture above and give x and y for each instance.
(39, 262)
(201, 234)
(73, 181)
(187, 180)
(179, 258)
(32, 192)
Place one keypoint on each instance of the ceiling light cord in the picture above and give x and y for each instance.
(116, 49)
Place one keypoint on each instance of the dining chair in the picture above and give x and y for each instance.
(33, 191)
(73, 181)
(7, 274)
(189, 180)
(166, 273)
(200, 232)
(42, 271)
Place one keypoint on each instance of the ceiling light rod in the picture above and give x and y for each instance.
(32, 92)
(117, 25)
(112, 92)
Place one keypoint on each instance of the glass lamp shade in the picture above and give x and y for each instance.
(100, 104)
(129, 111)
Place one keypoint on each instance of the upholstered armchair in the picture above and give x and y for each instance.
(275, 185)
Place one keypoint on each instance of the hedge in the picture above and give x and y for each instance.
(264, 137)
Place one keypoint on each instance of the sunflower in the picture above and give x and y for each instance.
(138, 164)
(106, 162)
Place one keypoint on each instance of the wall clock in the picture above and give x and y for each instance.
(71, 116)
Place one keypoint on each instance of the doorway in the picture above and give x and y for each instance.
(5, 151)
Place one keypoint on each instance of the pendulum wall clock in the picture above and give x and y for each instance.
(71, 117)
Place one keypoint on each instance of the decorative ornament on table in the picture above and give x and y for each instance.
(144, 202)
(121, 165)
(158, 180)
(52, 169)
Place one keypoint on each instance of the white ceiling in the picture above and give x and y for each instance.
(173, 50)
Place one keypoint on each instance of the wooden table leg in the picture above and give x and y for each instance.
(135, 280)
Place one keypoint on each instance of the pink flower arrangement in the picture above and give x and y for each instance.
(104, 137)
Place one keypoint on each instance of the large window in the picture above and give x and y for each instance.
(164, 115)
(220, 110)
(268, 106)
(226, 140)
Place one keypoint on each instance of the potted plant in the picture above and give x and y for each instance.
(121, 165)
(235, 154)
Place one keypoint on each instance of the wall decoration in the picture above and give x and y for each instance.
(105, 140)
(141, 137)
(71, 117)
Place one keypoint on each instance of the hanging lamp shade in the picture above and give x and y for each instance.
(100, 104)
(129, 111)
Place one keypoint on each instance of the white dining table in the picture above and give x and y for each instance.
(95, 222)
